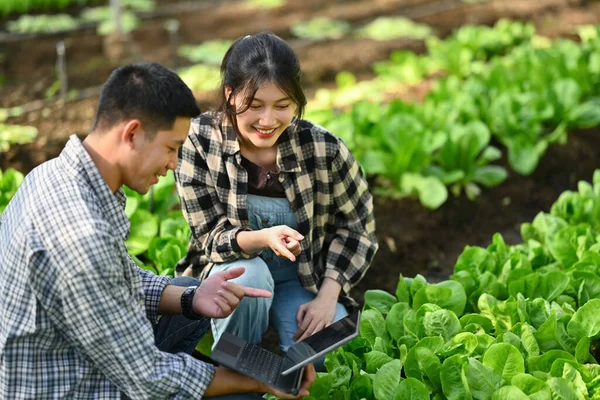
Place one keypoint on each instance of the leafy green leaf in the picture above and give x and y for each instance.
(411, 389)
(372, 325)
(386, 380)
(379, 300)
(483, 381)
(454, 379)
(586, 321)
(509, 393)
(505, 359)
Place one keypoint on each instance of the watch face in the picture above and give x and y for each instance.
(187, 301)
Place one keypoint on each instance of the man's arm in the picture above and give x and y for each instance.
(170, 300)
(100, 316)
(227, 381)
(214, 298)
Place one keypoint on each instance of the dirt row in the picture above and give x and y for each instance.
(29, 65)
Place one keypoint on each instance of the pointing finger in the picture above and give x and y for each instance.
(240, 291)
(229, 297)
(293, 233)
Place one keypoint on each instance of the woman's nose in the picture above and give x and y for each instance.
(267, 118)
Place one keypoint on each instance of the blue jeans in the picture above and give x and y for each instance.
(178, 334)
(268, 271)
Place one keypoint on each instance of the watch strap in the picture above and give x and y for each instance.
(187, 303)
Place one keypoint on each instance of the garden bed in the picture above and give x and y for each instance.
(29, 65)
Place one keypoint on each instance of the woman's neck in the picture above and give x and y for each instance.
(264, 157)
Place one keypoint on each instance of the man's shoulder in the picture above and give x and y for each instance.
(55, 199)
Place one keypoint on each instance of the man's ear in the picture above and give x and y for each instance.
(132, 132)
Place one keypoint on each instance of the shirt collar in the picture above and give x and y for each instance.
(288, 145)
(76, 159)
(230, 140)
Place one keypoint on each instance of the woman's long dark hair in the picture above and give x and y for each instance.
(253, 60)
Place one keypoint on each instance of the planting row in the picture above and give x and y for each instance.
(513, 322)
(500, 85)
(8, 7)
(530, 94)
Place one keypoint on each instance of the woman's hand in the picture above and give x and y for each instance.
(283, 240)
(320, 312)
(314, 316)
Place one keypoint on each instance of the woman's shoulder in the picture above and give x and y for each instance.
(207, 127)
(322, 141)
(317, 133)
(206, 123)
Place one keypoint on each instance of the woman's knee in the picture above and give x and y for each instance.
(185, 281)
(256, 274)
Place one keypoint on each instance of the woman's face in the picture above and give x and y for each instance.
(270, 113)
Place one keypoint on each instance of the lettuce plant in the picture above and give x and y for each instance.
(159, 234)
(513, 322)
(10, 180)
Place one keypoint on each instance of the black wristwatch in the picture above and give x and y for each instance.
(187, 301)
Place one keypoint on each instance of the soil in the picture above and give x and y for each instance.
(412, 239)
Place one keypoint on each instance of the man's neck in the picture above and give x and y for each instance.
(103, 153)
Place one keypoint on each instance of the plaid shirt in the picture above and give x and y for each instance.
(322, 181)
(75, 310)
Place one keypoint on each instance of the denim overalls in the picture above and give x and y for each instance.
(268, 271)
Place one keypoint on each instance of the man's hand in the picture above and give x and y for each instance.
(307, 380)
(283, 240)
(217, 298)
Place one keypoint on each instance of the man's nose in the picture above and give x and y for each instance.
(172, 165)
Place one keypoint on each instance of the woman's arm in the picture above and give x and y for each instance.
(354, 245)
(201, 206)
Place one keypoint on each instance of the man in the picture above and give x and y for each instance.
(78, 318)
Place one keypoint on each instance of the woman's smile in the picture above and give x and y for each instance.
(264, 133)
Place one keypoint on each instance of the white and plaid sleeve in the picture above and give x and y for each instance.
(355, 243)
(97, 312)
(201, 206)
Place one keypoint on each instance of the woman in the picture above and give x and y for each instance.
(262, 188)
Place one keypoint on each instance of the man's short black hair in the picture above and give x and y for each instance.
(150, 92)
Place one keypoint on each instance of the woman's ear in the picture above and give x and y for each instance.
(228, 91)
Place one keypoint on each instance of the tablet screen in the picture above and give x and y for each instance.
(322, 342)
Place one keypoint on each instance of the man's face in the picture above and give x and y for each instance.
(151, 158)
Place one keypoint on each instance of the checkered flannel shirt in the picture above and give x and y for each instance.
(76, 313)
(322, 181)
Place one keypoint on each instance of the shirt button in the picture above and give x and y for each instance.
(292, 207)
(265, 221)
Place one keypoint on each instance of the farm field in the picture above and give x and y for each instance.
(413, 238)
(475, 130)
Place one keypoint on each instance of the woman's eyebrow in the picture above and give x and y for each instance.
(276, 101)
